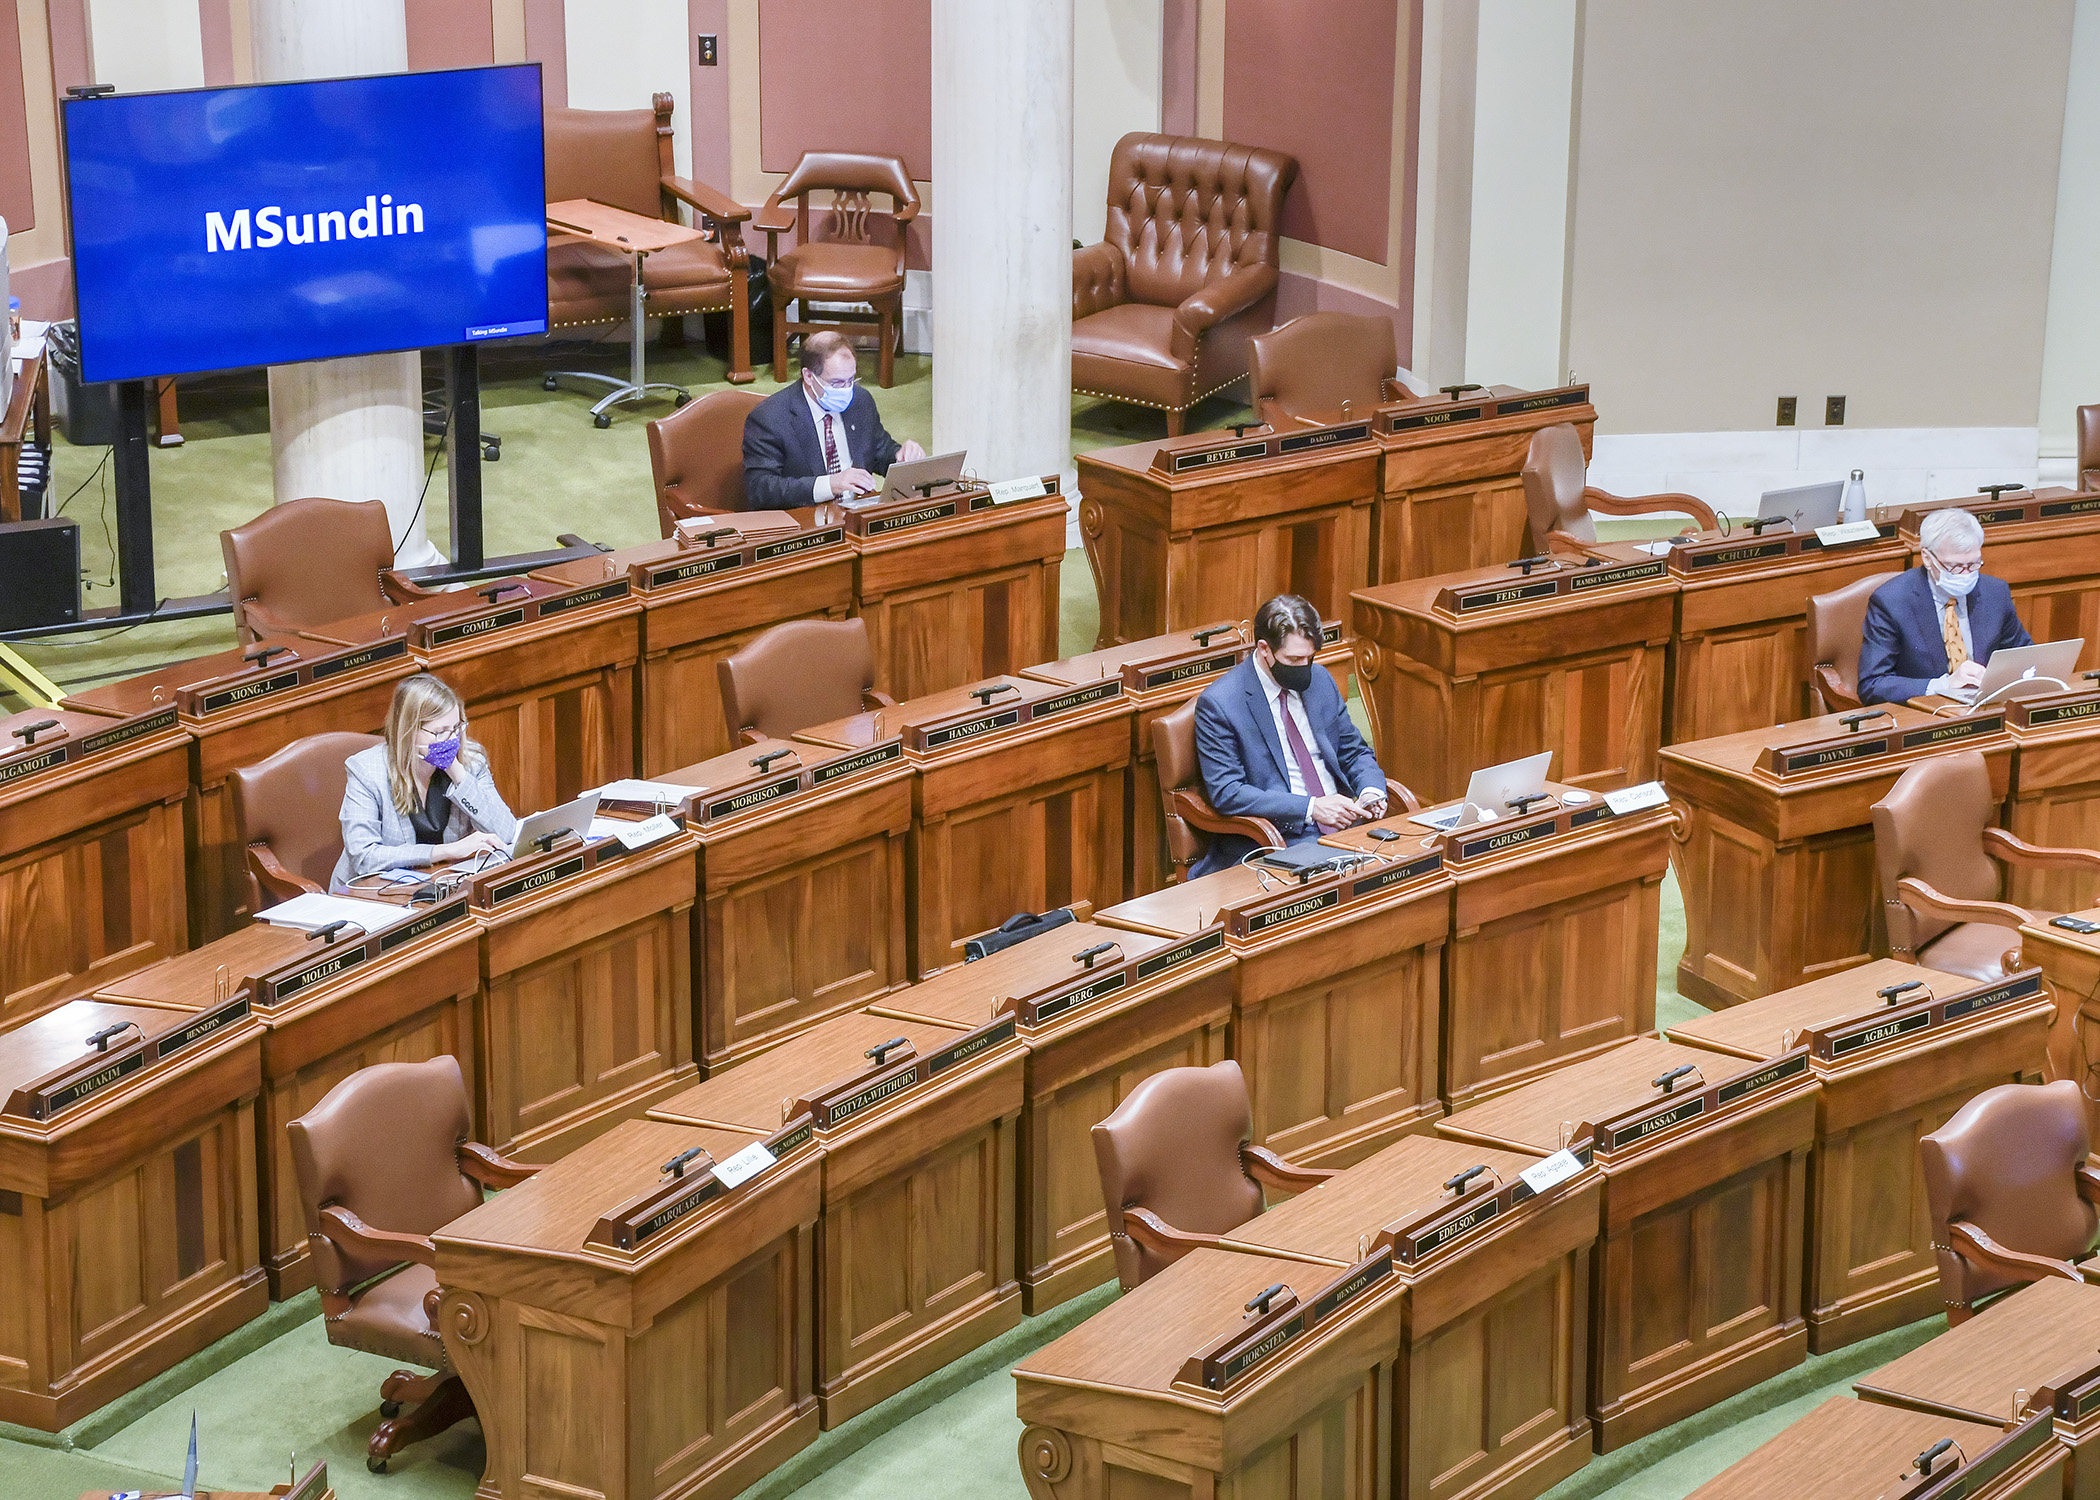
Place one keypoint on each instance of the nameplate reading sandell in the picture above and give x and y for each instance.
(2040, 712)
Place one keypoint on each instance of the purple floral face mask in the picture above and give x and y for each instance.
(441, 753)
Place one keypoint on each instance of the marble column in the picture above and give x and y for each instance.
(346, 429)
(1002, 234)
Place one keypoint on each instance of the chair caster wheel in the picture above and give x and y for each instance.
(389, 1409)
(549, 383)
(601, 421)
(376, 1465)
(679, 400)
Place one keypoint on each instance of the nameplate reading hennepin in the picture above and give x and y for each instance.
(197, 1030)
(562, 603)
(1750, 1083)
(1959, 729)
(1574, 395)
(853, 765)
(961, 1050)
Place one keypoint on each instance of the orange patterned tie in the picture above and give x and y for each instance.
(1950, 633)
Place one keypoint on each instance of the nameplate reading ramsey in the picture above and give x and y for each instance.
(408, 932)
(351, 661)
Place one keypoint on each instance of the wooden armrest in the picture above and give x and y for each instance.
(269, 873)
(871, 698)
(1194, 809)
(1401, 796)
(1643, 505)
(748, 736)
(774, 218)
(1920, 897)
(2088, 1181)
(1971, 1243)
(491, 1170)
(716, 205)
(904, 213)
(1833, 689)
(1271, 1170)
(400, 588)
(1141, 1225)
(350, 1233)
(2013, 850)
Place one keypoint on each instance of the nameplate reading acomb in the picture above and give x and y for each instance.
(524, 885)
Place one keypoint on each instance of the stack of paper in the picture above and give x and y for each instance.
(310, 913)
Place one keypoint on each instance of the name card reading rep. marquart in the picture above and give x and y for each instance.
(281, 673)
(506, 604)
(1418, 1241)
(94, 1072)
(696, 1184)
(1513, 588)
(1873, 738)
(1672, 1111)
(1191, 456)
(1291, 902)
(1910, 1016)
(44, 756)
(323, 961)
(1106, 980)
(1004, 709)
(1284, 1322)
(897, 1073)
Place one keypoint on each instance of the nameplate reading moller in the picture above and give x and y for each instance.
(853, 765)
(467, 629)
(170, 1043)
(971, 729)
(1235, 453)
(524, 885)
(319, 970)
(247, 692)
(772, 551)
(369, 656)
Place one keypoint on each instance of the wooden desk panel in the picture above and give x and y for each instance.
(2054, 801)
(1698, 1289)
(1854, 1450)
(1580, 675)
(1870, 1259)
(1778, 876)
(2070, 963)
(91, 852)
(127, 1219)
(680, 1369)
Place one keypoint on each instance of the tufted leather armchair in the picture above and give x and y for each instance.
(1185, 274)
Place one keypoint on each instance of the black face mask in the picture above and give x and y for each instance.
(1292, 679)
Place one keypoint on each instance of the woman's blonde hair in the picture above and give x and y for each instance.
(419, 698)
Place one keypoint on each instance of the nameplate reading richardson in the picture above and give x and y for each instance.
(1681, 1108)
(1856, 1034)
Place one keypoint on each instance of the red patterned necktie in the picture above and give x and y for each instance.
(831, 449)
(1299, 752)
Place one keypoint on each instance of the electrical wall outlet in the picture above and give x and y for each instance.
(1833, 411)
(707, 51)
(1786, 411)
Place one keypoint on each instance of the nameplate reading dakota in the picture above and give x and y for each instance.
(1356, 432)
(1180, 953)
(1371, 885)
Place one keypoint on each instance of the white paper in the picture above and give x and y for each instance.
(1635, 798)
(1656, 549)
(1848, 532)
(1551, 1172)
(648, 831)
(1006, 491)
(309, 913)
(743, 1166)
(646, 791)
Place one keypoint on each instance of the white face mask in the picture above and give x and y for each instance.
(1957, 585)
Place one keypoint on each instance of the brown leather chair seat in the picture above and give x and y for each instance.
(287, 814)
(1133, 334)
(799, 673)
(1975, 950)
(389, 1320)
(584, 282)
(1836, 622)
(696, 456)
(847, 273)
(838, 261)
(2089, 447)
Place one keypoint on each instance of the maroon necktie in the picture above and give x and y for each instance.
(831, 449)
(1302, 755)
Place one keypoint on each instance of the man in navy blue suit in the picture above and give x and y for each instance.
(1274, 740)
(820, 438)
(1932, 629)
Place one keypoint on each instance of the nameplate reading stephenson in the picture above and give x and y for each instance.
(884, 525)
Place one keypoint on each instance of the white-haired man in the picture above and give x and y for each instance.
(1932, 629)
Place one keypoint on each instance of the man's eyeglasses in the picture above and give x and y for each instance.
(836, 385)
(1958, 570)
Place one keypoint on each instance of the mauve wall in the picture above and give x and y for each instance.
(17, 204)
(450, 34)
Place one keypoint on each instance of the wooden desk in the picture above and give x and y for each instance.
(959, 597)
(680, 1367)
(238, 711)
(1739, 659)
(1870, 1258)
(2046, 544)
(1569, 659)
(1698, 1291)
(2044, 1337)
(127, 1200)
(1337, 997)
(2054, 797)
(916, 1239)
(1854, 1450)
(547, 671)
(802, 889)
(1778, 869)
(91, 856)
(1095, 1028)
(1207, 526)
(1108, 1414)
(1492, 1368)
(1017, 802)
(2070, 964)
(1451, 477)
(700, 604)
(405, 994)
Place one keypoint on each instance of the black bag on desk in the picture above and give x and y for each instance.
(1018, 928)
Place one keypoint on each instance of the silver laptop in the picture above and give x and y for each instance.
(903, 480)
(574, 817)
(2029, 671)
(1492, 793)
(1806, 506)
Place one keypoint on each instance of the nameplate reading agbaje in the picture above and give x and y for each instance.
(969, 729)
(853, 765)
(758, 796)
(772, 551)
(351, 661)
(467, 629)
(524, 885)
(1094, 692)
(1959, 729)
(1440, 416)
(169, 1043)
(1852, 1035)
(1884, 1031)
(246, 692)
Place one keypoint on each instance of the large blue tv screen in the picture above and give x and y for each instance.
(263, 225)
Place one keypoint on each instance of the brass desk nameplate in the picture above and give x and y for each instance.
(1835, 1041)
(690, 1188)
(2013, 508)
(1108, 979)
(514, 603)
(1177, 456)
(280, 673)
(1558, 579)
(1710, 552)
(47, 755)
(897, 1070)
(91, 1073)
(2047, 711)
(999, 713)
(1281, 1323)
(322, 963)
(1633, 1129)
(1423, 1239)
(1807, 757)
(1300, 901)
(943, 503)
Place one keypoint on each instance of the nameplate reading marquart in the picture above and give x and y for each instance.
(525, 885)
(168, 1043)
(853, 765)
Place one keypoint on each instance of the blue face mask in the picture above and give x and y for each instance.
(1958, 585)
(835, 399)
(441, 753)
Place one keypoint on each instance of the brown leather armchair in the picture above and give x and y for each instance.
(1836, 622)
(846, 265)
(383, 1163)
(696, 456)
(2089, 447)
(1307, 368)
(1558, 502)
(1938, 857)
(622, 158)
(797, 674)
(1179, 1167)
(287, 813)
(311, 562)
(1191, 822)
(2010, 1192)
(1185, 273)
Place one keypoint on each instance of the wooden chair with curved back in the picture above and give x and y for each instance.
(1307, 369)
(1835, 623)
(696, 456)
(1179, 1167)
(312, 562)
(287, 814)
(843, 263)
(2089, 447)
(1938, 857)
(799, 673)
(2010, 1192)
(1559, 501)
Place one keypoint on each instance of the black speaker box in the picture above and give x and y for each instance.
(39, 573)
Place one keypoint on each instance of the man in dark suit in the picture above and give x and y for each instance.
(820, 438)
(1274, 740)
(1932, 629)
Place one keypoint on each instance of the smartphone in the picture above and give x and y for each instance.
(1382, 834)
(2074, 924)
